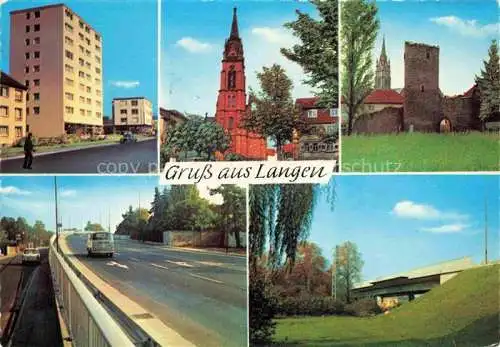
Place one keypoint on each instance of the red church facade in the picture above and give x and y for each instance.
(232, 100)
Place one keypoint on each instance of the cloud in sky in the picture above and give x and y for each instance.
(447, 228)
(467, 27)
(125, 84)
(274, 35)
(193, 45)
(11, 190)
(412, 210)
(65, 193)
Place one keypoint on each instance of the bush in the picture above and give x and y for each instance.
(363, 307)
(262, 310)
(309, 306)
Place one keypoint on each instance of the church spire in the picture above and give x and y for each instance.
(383, 48)
(234, 26)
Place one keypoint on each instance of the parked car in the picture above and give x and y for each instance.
(128, 137)
(31, 255)
(101, 243)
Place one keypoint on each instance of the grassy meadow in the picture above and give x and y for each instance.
(464, 311)
(415, 152)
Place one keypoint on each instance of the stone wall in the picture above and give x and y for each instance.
(388, 120)
(462, 112)
(179, 238)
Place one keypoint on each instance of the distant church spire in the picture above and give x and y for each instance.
(383, 71)
(234, 25)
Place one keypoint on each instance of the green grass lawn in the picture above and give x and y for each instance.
(462, 312)
(420, 152)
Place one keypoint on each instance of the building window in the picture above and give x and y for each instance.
(98, 103)
(88, 41)
(87, 53)
(97, 37)
(80, 35)
(37, 55)
(26, 69)
(37, 14)
(312, 113)
(82, 87)
(68, 68)
(69, 96)
(89, 90)
(81, 62)
(36, 68)
(28, 15)
(135, 111)
(97, 48)
(36, 96)
(123, 120)
(97, 81)
(37, 27)
(19, 132)
(37, 40)
(88, 77)
(68, 41)
(27, 28)
(80, 23)
(89, 101)
(82, 50)
(27, 55)
(27, 42)
(18, 113)
(69, 81)
(82, 112)
(334, 112)
(123, 111)
(82, 99)
(98, 92)
(18, 95)
(36, 82)
(134, 102)
(87, 65)
(81, 74)
(27, 111)
(4, 111)
(4, 91)
(428, 55)
(97, 59)
(422, 88)
(98, 114)
(97, 70)
(330, 129)
(69, 109)
(89, 113)
(69, 14)
(27, 83)
(36, 110)
(87, 30)
(4, 131)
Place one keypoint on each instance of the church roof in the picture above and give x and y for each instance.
(234, 26)
(307, 102)
(384, 96)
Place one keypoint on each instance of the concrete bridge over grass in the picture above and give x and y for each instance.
(414, 282)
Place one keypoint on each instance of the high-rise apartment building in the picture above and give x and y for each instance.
(59, 58)
(133, 114)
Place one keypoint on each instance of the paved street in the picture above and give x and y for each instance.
(140, 157)
(201, 296)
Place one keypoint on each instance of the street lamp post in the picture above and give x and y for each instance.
(57, 215)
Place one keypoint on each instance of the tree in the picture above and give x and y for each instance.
(262, 308)
(280, 217)
(318, 51)
(195, 135)
(347, 267)
(273, 113)
(489, 85)
(359, 31)
(232, 212)
(94, 227)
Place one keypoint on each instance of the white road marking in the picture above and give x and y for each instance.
(180, 263)
(206, 278)
(114, 263)
(160, 266)
(209, 263)
(134, 259)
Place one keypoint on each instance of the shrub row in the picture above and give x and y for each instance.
(320, 306)
(61, 140)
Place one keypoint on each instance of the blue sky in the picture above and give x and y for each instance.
(463, 30)
(192, 42)
(401, 222)
(130, 43)
(81, 198)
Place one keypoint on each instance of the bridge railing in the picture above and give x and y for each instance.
(88, 322)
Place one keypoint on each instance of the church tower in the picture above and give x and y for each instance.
(383, 71)
(231, 101)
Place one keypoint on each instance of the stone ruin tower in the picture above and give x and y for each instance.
(422, 96)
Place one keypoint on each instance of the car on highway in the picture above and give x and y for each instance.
(100, 243)
(128, 137)
(31, 255)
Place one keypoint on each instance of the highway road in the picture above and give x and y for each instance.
(202, 296)
(140, 157)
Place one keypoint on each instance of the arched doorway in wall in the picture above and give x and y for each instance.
(445, 125)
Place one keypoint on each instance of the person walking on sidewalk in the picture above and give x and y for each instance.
(28, 152)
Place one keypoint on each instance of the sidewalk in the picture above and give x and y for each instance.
(71, 149)
(6, 257)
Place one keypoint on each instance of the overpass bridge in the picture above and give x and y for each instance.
(414, 282)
